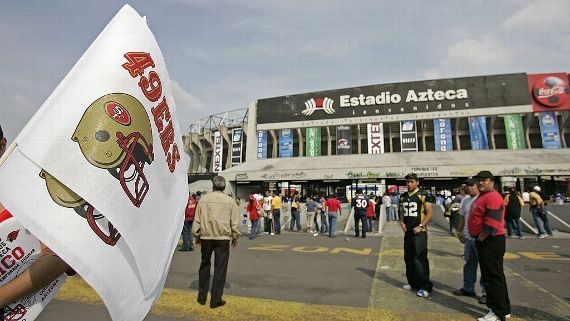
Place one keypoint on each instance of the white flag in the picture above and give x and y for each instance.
(106, 147)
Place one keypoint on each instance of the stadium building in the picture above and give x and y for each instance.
(515, 125)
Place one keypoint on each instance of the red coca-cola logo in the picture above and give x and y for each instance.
(551, 91)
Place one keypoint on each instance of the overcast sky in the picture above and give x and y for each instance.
(224, 54)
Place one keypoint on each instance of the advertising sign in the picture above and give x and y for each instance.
(549, 130)
(218, 152)
(375, 138)
(514, 131)
(313, 143)
(408, 136)
(237, 143)
(286, 143)
(478, 133)
(261, 144)
(549, 92)
(442, 135)
(430, 99)
(343, 140)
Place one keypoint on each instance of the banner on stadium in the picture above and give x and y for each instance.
(237, 144)
(261, 144)
(478, 132)
(343, 140)
(442, 135)
(101, 158)
(218, 162)
(549, 92)
(375, 138)
(549, 130)
(286, 143)
(429, 99)
(313, 141)
(408, 136)
(514, 131)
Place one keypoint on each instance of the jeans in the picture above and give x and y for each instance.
(370, 224)
(295, 219)
(268, 225)
(332, 224)
(416, 259)
(471, 264)
(360, 217)
(390, 213)
(490, 253)
(395, 211)
(546, 222)
(254, 229)
(324, 224)
(513, 224)
(277, 220)
(187, 235)
(538, 220)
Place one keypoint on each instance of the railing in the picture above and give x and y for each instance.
(232, 118)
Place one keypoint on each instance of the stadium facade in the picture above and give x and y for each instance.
(515, 125)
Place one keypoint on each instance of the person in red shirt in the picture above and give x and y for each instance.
(187, 243)
(41, 272)
(252, 208)
(486, 225)
(333, 207)
(370, 213)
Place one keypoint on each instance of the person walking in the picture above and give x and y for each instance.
(359, 206)
(537, 210)
(370, 213)
(416, 212)
(295, 213)
(268, 214)
(215, 227)
(469, 249)
(311, 207)
(322, 207)
(276, 208)
(486, 224)
(395, 201)
(187, 244)
(252, 209)
(513, 204)
(333, 211)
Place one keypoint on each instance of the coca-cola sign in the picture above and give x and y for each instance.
(550, 91)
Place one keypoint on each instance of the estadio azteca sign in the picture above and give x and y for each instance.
(445, 98)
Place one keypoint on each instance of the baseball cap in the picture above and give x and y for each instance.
(536, 188)
(411, 176)
(470, 181)
(485, 175)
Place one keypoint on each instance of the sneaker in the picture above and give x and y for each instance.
(271, 233)
(521, 237)
(508, 316)
(422, 293)
(463, 292)
(315, 234)
(541, 236)
(483, 299)
(407, 287)
(491, 316)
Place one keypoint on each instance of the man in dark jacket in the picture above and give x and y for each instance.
(513, 205)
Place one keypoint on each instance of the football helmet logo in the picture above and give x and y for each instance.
(65, 197)
(114, 134)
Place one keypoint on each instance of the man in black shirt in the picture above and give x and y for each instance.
(360, 204)
(416, 212)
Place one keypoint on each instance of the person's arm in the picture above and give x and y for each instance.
(427, 218)
(196, 224)
(40, 273)
(234, 224)
(402, 224)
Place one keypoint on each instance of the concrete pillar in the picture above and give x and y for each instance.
(251, 131)
(423, 135)
(492, 131)
(329, 144)
(275, 149)
(208, 139)
(456, 133)
(390, 137)
(358, 136)
(565, 117)
(527, 120)
(224, 131)
(301, 142)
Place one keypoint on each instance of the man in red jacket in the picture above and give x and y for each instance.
(187, 244)
(486, 225)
